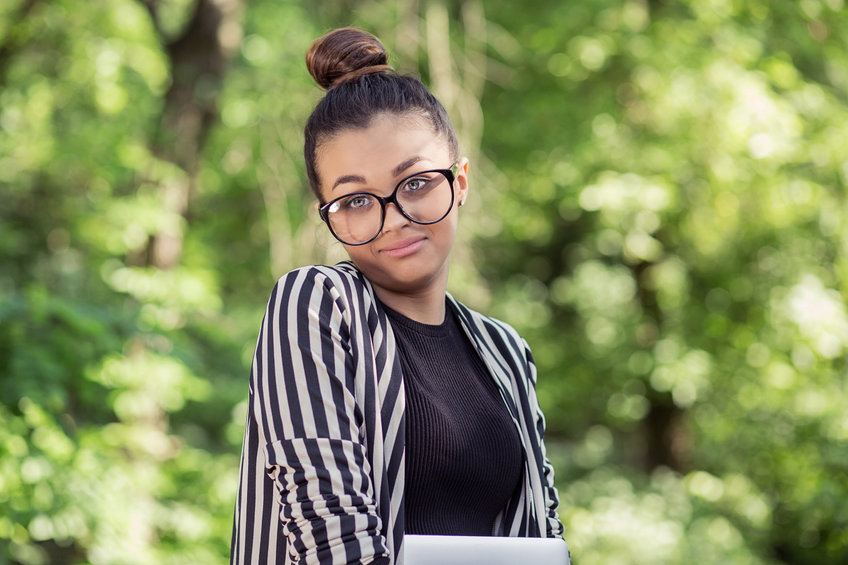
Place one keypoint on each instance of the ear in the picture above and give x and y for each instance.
(462, 181)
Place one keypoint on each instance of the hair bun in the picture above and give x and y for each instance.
(343, 54)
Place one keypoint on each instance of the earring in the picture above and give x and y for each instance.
(462, 202)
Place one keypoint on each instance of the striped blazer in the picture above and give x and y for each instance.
(322, 464)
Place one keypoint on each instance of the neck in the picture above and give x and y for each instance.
(427, 306)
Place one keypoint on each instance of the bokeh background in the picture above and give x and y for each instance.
(659, 206)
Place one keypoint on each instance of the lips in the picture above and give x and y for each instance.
(404, 247)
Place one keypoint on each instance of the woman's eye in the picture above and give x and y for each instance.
(357, 202)
(414, 184)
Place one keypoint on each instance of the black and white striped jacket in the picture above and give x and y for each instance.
(322, 465)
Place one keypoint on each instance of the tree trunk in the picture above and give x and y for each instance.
(666, 435)
(198, 58)
(15, 37)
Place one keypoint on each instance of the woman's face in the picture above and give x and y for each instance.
(405, 258)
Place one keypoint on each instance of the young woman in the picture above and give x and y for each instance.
(379, 405)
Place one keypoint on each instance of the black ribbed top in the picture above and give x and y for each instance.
(463, 453)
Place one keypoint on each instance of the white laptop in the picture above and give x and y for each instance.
(483, 550)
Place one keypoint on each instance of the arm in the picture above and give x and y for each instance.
(554, 527)
(310, 488)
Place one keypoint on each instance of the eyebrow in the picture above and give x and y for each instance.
(347, 178)
(395, 172)
(405, 165)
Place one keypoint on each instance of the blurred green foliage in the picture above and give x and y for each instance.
(659, 206)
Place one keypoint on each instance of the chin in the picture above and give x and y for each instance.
(404, 279)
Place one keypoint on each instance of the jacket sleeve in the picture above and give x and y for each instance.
(305, 486)
(553, 526)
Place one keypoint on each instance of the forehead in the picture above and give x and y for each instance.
(375, 150)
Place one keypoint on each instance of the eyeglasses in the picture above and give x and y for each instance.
(423, 198)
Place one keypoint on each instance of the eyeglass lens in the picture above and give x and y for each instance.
(423, 198)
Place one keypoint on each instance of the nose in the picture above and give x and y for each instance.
(394, 219)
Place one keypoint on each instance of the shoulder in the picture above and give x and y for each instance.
(341, 284)
(491, 331)
(342, 279)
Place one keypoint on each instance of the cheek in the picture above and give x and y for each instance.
(450, 223)
(365, 257)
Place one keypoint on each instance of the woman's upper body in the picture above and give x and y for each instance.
(324, 456)
(322, 471)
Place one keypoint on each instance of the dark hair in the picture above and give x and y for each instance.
(352, 66)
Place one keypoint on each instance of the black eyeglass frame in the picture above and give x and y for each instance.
(449, 174)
